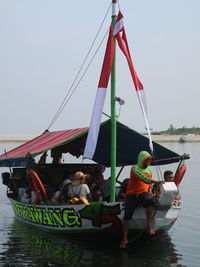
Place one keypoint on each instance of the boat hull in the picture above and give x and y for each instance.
(97, 217)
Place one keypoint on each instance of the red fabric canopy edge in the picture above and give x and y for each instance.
(44, 142)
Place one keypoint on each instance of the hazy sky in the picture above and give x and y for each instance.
(44, 42)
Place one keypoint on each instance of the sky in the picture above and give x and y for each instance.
(43, 45)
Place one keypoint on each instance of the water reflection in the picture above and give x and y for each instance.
(27, 246)
(157, 251)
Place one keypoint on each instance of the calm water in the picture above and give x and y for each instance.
(26, 246)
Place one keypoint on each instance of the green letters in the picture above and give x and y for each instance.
(71, 218)
(55, 217)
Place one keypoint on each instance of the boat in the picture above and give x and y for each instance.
(94, 217)
(182, 139)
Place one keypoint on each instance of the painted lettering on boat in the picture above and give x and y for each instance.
(176, 204)
(98, 215)
(55, 217)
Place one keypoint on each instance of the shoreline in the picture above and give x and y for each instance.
(175, 138)
(157, 138)
(14, 138)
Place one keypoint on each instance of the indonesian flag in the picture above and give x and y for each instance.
(100, 98)
(119, 33)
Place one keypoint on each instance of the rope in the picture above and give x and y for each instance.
(158, 169)
(65, 100)
(61, 109)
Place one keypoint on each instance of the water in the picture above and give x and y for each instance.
(21, 245)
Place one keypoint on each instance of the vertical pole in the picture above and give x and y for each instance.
(113, 113)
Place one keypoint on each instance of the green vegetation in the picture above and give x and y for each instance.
(178, 131)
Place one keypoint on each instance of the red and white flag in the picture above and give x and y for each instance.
(100, 98)
(119, 33)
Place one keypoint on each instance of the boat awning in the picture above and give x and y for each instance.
(129, 144)
(44, 142)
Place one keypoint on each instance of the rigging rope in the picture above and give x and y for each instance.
(157, 167)
(61, 109)
(65, 100)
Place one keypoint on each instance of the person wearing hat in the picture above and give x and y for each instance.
(62, 194)
(79, 188)
(138, 194)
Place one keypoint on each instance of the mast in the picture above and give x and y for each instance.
(113, 113)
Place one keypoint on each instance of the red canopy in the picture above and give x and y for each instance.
(44, 142)
(129, 144)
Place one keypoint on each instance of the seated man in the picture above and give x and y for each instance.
(138, 194)
(123, 191)
(26, 197)
(168, 177)
(97, 194)
(62, 195)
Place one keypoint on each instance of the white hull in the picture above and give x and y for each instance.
(96, 217)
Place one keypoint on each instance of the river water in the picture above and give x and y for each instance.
(21, 245)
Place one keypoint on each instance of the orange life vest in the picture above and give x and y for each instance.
(136, 185)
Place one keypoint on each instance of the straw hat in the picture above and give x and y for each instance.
(78, 178)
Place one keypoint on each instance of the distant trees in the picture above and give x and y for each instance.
(179, 131)
(171, 129)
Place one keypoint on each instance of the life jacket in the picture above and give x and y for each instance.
(140, 177)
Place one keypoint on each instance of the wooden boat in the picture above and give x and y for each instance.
(98, 217)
